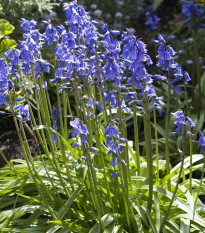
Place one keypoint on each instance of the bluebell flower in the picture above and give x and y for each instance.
(44, 86)
(98, 105)
(55, 113)
(173, 134)
(182, 119)
(159, 108)
(160, 77)
(135, 57)
(177, 90)
(91, 36)
(94, 149)
(114, 174)
(113, 162)
(165, 53)
(178, 75)
(202, 141)
(123, 140)
(190, 9)
(123, 162)
(13, 55)
(4, 81)
(90, 103)
(17, 107)
(191, 123)
(54, 138)
(51, 34)
(28, 25)
(75, 144)
(187, 77)
(89, 115)
(79, 128)
(23, 114)
(76, 16)
(111, 131)
(189, 134)
(159, 100)
(26, 55)
(41, 65)
(152, 19)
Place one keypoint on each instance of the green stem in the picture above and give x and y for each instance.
(190, 141)
(128, 208)
(97, 200)
(98, 143)
(199, 189)
(124, 155)
(136, 133)
(41, 137)
(26, 153)
(101, 89)
(167, 132)
(148, 145)
(65, 113)
(156, 140)
(174, 194)
(59, 110)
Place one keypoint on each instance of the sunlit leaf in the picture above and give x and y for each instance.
(5, 28)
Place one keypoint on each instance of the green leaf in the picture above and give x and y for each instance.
(139, 223)
(150, 219)
(95, 229)
(108, 218)
(140, 211)
(25, 230)
(5, 28)
(62, 212)
(195, 158)
(173, 226)
(7, 44)
(20, 210)
(72, 226)
(33, 217)
(157, 212)
(184, 225)
(180, 204)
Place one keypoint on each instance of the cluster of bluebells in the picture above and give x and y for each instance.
(179, 77)
(166, 62)
(27, 55)
(115, 144)
(79, 129)
(182, 120)
(165, 53)
(23, 112)
(4, 81)
(192, 10)
(201, 141)
(5, 84)
(152, 20)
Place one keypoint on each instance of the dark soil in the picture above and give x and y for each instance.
(9, 142)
